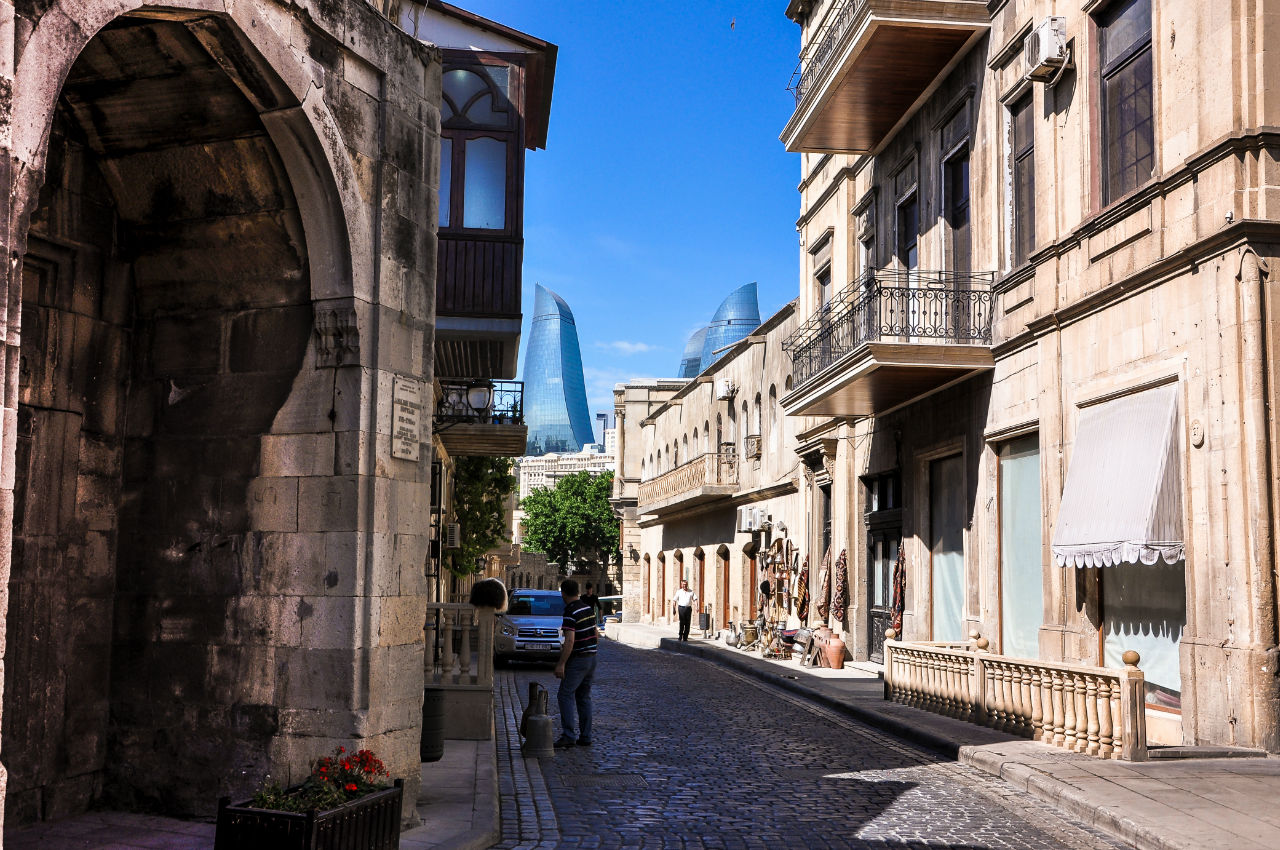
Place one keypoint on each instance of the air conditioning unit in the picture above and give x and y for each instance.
(452, 535)
(763, 520)
(747, 519)
(725, 389)
(754, 444)
(1045, 49)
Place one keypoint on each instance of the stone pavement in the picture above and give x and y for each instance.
(1163, 804)
(697, 756)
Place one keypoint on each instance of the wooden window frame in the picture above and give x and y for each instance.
(1022, 156)
(1103, 17)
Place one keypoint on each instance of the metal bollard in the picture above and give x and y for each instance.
(536, 726)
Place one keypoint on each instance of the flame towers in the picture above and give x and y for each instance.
(737, 316)
(555, 392)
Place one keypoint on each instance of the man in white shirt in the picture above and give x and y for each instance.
(684, 607)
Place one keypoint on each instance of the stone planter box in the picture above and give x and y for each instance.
(369, 823)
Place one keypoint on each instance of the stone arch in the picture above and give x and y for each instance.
(647, 578)
(297, 119)
(231, 545)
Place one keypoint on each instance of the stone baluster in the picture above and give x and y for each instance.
(1012, 692)
(447, 673)
(1082, 714)
(1059, 715)
(950, 692)
(1026, 717)
(999, 708)
(1117, 720)
(1091, 713)
(429, 665)
(1046, 705)
(466, 624)
(1035, 698)
(1106, 743)
(930, 682)
(964, 672)
(1068, 710)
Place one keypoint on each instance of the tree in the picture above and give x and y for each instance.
(573, 520)
(481, 486)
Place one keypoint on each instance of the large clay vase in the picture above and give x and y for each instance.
(833, 649)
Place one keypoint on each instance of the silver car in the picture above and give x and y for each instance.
(529, 630)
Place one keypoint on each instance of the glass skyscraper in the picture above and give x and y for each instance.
(737, 316)
(691, 362)
(555, 392)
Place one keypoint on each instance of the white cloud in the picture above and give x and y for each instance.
(627, 347)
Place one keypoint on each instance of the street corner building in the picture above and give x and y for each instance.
(221, 232)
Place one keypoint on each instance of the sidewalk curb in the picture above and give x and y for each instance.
(1041, 786)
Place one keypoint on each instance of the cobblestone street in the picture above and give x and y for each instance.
(777, 772)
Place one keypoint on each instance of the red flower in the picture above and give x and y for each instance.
(351, 786)
(342, 749)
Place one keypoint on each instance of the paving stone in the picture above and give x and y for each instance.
(689, 755)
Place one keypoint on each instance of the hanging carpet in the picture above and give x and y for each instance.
(839, 586)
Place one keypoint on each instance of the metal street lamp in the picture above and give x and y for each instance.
(480, 396)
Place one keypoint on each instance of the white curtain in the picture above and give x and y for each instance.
(1144, 608)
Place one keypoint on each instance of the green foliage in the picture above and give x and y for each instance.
(481, 486)
(574, 520)
(334, 780)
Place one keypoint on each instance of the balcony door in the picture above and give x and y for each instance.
(946, 547)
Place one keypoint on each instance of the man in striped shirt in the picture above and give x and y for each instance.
(575, 668)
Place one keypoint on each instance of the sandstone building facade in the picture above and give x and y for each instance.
(1035, 339)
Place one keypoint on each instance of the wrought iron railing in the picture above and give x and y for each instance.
(707, 469)
(895, 306)
(506, 402)
(823, 48)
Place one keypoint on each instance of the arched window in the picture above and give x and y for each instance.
(755, 416)
(742, 448)
(719, 433)
(706, 437)
(775, 433)
(478, 146)
(685, 448)
(642, 478)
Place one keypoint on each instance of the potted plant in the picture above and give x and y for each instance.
(345, 804)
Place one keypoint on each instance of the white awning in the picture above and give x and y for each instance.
(1122, 502)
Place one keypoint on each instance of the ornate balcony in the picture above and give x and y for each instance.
(704, 479)
(477, 417)
(862, 74)
(890, 338)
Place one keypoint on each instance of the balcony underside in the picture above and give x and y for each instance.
(689, 500)
(476, 438)
(477, 347)
(889, 62)
(880, 376)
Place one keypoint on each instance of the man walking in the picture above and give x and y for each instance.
(575, 669)
(684, 607)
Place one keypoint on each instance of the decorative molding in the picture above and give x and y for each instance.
(337, 337)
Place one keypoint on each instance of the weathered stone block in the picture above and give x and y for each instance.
(330, 503)
(273, 504)
(329, 622)
(297, 454)
(270, 340)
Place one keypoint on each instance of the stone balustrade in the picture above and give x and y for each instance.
(1097, 711)
(712, 468)
(459, 646)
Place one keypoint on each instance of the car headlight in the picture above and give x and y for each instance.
(508, 629)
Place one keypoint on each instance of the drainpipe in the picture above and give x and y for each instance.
(1257, 457)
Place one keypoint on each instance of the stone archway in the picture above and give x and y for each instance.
(194, 563)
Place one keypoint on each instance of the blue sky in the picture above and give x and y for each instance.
(663, 186)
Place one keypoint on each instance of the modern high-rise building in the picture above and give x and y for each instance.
(691, 360)
(737, 316)
(555, 392)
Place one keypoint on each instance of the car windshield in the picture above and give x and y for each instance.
(537, 606)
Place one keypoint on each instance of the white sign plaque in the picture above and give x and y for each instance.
(406, 413)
